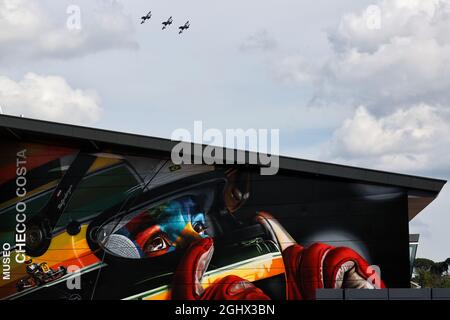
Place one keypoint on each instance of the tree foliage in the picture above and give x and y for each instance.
(430, 274)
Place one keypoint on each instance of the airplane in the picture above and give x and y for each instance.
(167, 23)
(185, 27)
(147, 17)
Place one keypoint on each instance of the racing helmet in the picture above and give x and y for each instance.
(183, 204)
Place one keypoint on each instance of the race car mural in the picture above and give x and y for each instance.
(103, 225)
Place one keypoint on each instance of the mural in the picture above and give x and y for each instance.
(103, 225)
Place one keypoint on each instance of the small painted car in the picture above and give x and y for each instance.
(39, 274)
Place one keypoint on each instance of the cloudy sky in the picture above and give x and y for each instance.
(358, 82)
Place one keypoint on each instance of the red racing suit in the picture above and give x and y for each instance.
(307, 269)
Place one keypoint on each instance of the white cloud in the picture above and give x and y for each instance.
(414, 19)
(397, 80)
(399, 72)
(259, 41)
(416, 139)
(404, 62)
(296, 70)
(19, 20)
(27, 30)
(49, 98)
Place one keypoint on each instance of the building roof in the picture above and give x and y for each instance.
(422, 190)
(414, 237)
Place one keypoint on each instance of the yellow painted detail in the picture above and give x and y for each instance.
(30, 193)
(102, 162)
(98, 164)
(44, 267)
(252, 271)
(66, 247)
(63, 247)
(188, 235)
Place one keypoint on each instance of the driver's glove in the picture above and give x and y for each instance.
(187, 283)
(319, 265)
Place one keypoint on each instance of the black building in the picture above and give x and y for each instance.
(87, 188)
